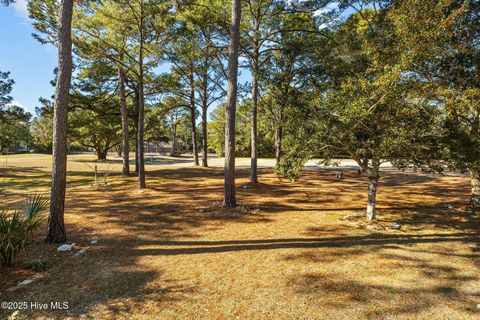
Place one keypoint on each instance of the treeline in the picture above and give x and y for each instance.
(375, 80)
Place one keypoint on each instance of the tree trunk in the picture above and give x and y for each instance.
(101, 154)
(123, 111)
(95, 170)
(229, 167)
(193, 118)
(56, 228)
(278, 145)
(135, 127)
(204, 137)
(136, 150)
(373, 176)
(140, 133)
(475, 181)
(141, 107)
(174, 140)
(254, 140)
(194, 137)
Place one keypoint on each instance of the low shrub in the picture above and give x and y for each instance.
(14, 228)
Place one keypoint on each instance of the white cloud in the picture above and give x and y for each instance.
(20, 7)
(18, 104)
(329, 7)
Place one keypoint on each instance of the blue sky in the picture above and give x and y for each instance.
(30, 63)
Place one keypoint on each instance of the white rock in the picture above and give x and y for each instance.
(65, 247)
(80, 252)
(245, 186)
(450, 206)
(94, 240)
(25, 282)
(394, 227)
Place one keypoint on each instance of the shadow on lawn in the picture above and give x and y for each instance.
(106, 280)
(178, 195)
(377, 301)
(393, 279)
(379, 240)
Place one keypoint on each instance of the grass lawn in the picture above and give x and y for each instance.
(171, 253)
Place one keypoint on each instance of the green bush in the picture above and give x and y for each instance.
(14, 228)
(13, 236)
(38, 265)
(33, 208)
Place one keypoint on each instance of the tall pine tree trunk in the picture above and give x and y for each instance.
(135, 126)
(193, 118)
(136, 149)
(204, 120)
(229, 167)
(141, 106)
(254, 136)
(123, 111)
(174, 140)
(56, 228)
(140, 134)
(204, 137)
(373, 176)
(475, 181)
(278, 145)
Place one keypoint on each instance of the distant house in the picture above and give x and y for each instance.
(166, 147)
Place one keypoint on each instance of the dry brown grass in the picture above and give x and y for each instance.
(171, 253)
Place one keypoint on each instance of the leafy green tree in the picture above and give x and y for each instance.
(206, 24)
(216, 130)
(41, 132)
(444, 37)
(94, 123)
(370, 110)
(6, 86)
(287, 74)
(14, 128)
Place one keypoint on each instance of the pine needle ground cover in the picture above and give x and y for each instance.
(287, 253)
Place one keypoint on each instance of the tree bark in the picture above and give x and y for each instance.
(229, 200)
(373, 176)
(204, 137)
(475, 181)
(141, 107)
(124, 113)
(254, 137)
(174, 140)
(204, 120)
(137, 99)
(136, 150)
(101, 154)
(278, 145)
(56, 227)
(193, 118)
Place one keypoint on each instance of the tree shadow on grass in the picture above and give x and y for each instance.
(106, 280)
(391, 280)
(205, 247)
